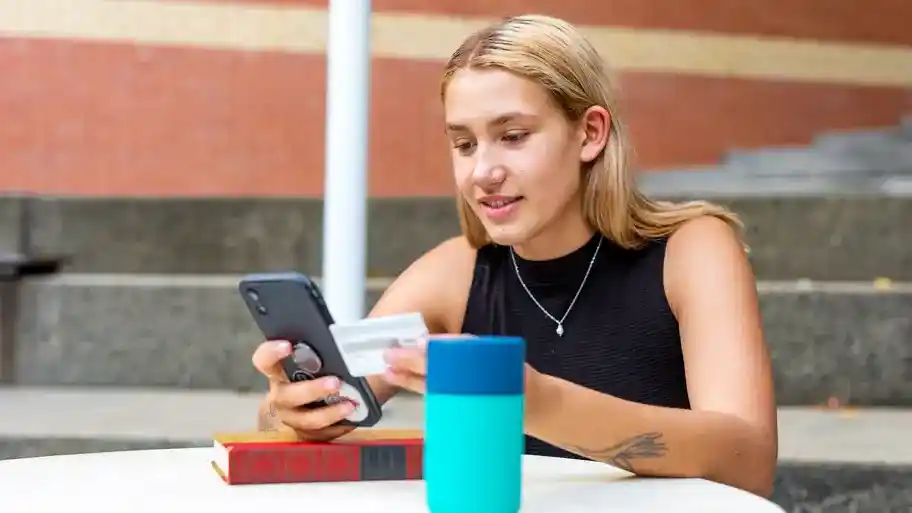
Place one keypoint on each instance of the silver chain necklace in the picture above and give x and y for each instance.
(560, 323)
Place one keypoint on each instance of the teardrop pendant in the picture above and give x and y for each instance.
(560, 330)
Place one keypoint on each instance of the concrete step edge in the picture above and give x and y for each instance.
(874, 436)
(876, 285)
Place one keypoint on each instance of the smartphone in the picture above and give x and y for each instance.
(289, 306)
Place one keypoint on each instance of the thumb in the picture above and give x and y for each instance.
(267, 358)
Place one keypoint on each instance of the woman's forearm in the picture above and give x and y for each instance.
(653, 441)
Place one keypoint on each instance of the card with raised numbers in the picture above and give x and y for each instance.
(363, 342)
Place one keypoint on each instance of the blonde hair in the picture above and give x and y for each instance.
(554, 54)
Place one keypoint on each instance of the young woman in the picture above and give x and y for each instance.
(645, 347)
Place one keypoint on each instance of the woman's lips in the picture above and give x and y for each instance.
(500, 208)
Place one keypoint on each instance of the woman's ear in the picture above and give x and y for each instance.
(595, 125)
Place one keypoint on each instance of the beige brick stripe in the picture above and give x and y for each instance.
(243, 27)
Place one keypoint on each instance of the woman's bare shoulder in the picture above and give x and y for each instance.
(436, 284)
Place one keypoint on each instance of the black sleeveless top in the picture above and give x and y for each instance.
(620, 337)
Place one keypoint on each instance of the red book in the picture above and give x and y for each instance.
(362, 455)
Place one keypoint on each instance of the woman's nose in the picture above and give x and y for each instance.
(488, 169)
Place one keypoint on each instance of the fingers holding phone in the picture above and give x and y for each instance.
(286, 399)
(289, 397)
(267, 360)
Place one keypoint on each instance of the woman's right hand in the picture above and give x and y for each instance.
(283, 409)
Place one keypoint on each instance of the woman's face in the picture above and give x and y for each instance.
(516, 158)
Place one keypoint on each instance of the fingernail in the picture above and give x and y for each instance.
(348, 407)
(332, 383)
(282, 347)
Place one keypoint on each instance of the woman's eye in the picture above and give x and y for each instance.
(514, 137)
(464, 147)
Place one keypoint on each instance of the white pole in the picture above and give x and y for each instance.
(345, 196)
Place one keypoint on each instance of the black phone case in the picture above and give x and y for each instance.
(289, 306)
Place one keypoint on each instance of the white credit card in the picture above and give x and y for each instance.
(362, 343)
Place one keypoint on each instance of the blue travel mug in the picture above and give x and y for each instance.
(474, 438)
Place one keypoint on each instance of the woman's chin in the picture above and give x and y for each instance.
(511, 234)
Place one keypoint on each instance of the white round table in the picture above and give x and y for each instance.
(182, 480)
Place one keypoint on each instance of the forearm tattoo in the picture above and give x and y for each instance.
(624, 454)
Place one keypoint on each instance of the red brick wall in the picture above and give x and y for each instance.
(113, 116)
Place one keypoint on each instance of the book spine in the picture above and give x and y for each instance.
(262, 464)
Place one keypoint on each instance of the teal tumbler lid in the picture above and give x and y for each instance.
(487, 365)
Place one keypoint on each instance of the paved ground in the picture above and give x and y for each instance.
(874, 436)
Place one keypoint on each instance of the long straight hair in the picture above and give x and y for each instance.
(554, 54)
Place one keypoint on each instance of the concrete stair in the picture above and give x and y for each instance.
(798, 227)
(813, 160)
(876, 141)
(845, 340)
(863, 153)
(872, 151)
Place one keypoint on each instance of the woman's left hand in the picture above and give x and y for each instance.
(407, 369)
